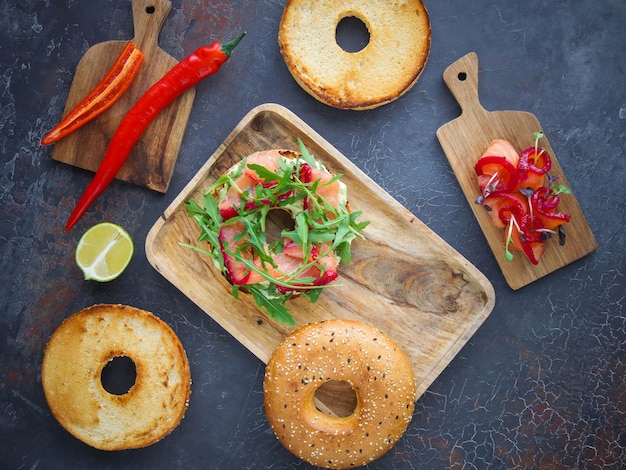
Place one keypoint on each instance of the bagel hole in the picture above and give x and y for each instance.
(336, 398)
(277, 220)
(352, 34)
(118, 375)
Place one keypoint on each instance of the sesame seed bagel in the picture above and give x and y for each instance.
(339, 350)
(386, 68)
(77, 353)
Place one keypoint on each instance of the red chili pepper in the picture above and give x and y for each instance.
(202, 63)
(103, 96)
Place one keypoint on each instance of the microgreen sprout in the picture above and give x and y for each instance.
(560, 189)
(507, 254)
(537, 135)
(528, 193)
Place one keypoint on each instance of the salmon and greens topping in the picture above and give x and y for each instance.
(304, 259)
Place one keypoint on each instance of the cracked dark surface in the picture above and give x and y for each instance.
(541, 385)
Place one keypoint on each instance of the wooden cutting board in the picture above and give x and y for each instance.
(403, 278)
(466, 138)
(151, 163)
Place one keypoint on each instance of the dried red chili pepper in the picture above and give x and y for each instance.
(202, 63)
(117, 80)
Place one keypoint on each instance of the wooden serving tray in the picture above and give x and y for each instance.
(403, 278)
(466, 138)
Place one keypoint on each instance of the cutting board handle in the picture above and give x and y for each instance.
(462, 80)
(148, 18)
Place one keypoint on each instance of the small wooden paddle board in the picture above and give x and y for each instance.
(151, 163)
(464, 140)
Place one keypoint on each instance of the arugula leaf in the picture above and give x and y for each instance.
(306, 156)
(275, 307)
(312, 295)
(263, 172)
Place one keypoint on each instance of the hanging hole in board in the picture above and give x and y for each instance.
(462, 76)
(150, 9)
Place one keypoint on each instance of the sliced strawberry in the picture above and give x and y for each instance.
(305, 173)
(327, 277)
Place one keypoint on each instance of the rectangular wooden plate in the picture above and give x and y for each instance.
(466, 138)
(403, 278)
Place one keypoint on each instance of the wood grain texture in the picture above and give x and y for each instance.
(151, 162)
(403, 278)
(466, 138)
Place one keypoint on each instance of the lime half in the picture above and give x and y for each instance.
(104, 251)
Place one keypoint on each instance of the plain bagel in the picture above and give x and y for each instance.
(339, 351)
(390, 64)
(71, 377)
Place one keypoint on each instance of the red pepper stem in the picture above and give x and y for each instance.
(227, 47)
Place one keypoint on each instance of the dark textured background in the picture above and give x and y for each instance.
(540, 385)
